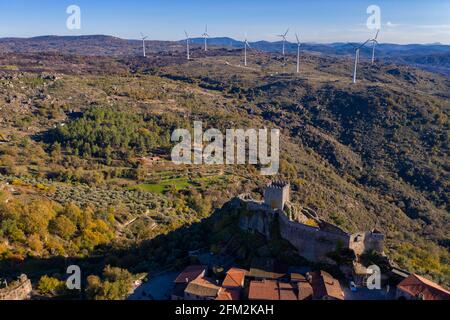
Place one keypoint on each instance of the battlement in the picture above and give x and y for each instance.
(278, 184)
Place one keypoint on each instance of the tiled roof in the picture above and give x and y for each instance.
(263, 290)
(190, 273)
(229, 294)
(234, 278)
(324, 285)
(418, 286)
(296, 277)
(202, 287)
(305, 291)
(287, 291)
(274, 290)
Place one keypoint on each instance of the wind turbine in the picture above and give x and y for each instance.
(356, 63)
(143, 42)
(187, 45)
(246, 45)
(298, 53)
(284, 39)
(205, 37)
(375, 42)
(358, 49)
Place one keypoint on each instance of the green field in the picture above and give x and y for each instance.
(179, 184)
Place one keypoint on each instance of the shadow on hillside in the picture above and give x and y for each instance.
(164, 252)
(219, 233)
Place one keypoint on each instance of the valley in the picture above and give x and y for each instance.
(79, 135)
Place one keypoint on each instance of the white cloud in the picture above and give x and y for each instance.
(389, 24)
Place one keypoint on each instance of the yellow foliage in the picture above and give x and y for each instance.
(312, 223)
(35, 243)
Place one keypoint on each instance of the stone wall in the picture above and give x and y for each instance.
(18, 290)
(312, 243)
(367, 241)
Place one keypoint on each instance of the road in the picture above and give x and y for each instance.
(157, 288)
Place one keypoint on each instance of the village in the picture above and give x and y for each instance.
(270, 280)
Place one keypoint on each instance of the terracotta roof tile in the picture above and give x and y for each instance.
(190, 273)
(287, 291)
(229, 294)
(324, 285)
(263, 290)
(418, 286)
(234, 278)
(202, 287)
(305, 291)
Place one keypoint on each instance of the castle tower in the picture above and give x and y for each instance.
(277, 194)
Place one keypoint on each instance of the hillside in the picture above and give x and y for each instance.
(432, 57)
(73, 130)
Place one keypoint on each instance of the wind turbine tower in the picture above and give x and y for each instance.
(283, 36)
(357, 52)
(143, 43)
(298, 53)
(205, 37)
(375, 42)
(356, 64)
(188, 53)
(246, 45)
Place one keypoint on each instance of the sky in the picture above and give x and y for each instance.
(325, 21)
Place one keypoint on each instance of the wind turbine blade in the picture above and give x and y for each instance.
(366, 42)
(298, 41)
(287, 31)
(376, 36)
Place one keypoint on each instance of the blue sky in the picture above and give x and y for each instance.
(403, 21)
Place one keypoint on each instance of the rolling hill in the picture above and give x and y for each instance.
(81, 115)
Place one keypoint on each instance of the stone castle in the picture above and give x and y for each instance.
(313, 237)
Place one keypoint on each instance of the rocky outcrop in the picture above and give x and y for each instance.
(18, 290)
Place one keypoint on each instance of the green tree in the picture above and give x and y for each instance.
(63, 227)
(50, 286)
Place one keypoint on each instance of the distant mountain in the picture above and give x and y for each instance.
(434, 57)
(220, 41)
(97, 45)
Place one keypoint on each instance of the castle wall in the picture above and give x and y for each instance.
(312, 243)
(20, 290)
(367, 241)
